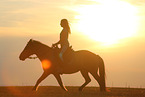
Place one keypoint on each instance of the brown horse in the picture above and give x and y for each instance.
(84, 61)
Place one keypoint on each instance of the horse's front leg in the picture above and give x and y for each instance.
(57, 76)
(43, 76)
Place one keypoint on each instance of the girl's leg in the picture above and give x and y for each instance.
(63, 49)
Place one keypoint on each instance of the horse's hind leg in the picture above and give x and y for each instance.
(87, 79)
(96, 76)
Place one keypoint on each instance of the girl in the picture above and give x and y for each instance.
(63, 37)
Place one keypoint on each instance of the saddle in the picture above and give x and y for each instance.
(68, 56)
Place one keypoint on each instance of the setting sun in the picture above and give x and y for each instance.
(107, 22)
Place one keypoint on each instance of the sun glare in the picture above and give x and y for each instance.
(107, 21)
(46, 64)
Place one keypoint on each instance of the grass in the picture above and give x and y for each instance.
(54, 91)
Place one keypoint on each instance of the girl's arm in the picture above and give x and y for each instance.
(56, 44)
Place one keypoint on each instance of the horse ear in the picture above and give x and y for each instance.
(31, 40)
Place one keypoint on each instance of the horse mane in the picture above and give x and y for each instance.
(40, 43)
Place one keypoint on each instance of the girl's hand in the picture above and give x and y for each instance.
(54, 45)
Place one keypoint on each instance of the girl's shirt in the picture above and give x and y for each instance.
(64, 37)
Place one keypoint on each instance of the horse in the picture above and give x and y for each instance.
(84, 61)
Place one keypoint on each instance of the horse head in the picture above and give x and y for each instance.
(27, 51)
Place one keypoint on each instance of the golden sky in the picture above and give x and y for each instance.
(113, 29)
(105, 21)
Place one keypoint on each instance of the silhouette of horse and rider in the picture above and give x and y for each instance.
(65, 60)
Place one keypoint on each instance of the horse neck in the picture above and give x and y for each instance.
(41, 50)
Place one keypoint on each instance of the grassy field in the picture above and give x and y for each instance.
(54, 91)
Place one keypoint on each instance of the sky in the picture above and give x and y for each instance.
(113, 29)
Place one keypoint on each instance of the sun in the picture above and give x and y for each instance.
(107, 21)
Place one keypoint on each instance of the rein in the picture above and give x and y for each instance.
(32, 57)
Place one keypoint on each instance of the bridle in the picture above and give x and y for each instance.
(32, 57)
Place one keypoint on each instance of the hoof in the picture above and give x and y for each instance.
(65, 89)
(108, 90)
(80, 89)
(104, 90)
(34, 89)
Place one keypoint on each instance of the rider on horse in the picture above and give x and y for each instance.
(63, 38)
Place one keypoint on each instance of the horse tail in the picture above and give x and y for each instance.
(102, 75)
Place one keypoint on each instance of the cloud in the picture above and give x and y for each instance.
(10, 12)
(136, 2)
(13, 12)
(11, 19)
(85, 2)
